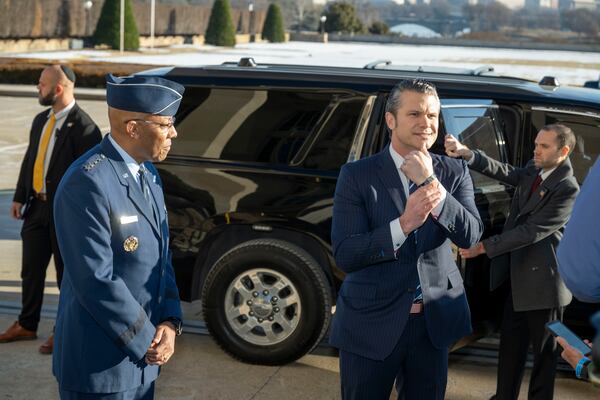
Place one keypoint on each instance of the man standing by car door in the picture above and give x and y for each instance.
(525, 253)
(58, 136)
(402, 302)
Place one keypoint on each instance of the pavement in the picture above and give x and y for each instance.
(199, 369)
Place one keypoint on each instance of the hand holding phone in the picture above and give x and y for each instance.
(557, 328)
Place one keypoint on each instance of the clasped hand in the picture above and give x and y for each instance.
(419, 205)
(417, 166)
(163, 345)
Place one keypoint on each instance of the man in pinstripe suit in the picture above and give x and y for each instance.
(395, 214)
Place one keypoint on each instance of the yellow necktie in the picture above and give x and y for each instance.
(38, 167)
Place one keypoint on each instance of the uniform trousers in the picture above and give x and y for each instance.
(39, 244)
(518, 330)
(420, 368)
(142, 392)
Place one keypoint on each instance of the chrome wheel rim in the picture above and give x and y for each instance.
(262, 306)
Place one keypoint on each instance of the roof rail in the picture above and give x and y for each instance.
(247, 62)
(482, 70)
(387, 64)
(549, 82)
(374, 64)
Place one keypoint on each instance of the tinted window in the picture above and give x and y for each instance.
(475, 127)
(332, 143)
(586, 131)
(247, 125)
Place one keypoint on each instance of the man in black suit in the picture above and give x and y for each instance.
(525, 255)
(58, 137)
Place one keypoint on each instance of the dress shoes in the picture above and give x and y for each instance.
(48, 346)
(17, 332)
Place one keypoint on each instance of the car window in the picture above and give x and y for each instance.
(475, 125)
(247, 125)
(587, 132)
(332, 144)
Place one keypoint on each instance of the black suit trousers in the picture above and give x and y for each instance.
(39, 244)
(518, 330)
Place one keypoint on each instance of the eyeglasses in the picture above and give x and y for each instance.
(164, 127)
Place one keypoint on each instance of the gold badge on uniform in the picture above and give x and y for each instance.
(131, 243)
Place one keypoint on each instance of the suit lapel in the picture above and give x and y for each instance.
(425, 230)
(61, 136)
(561, 172)
(134, 192)
(35, 140)
(390, 178)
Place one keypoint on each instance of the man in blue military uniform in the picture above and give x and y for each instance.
(119, 309)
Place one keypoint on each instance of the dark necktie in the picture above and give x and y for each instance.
(536, 184)
(143, 173)
(144, 185)
(418, 298)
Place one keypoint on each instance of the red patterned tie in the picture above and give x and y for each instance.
(536, 184)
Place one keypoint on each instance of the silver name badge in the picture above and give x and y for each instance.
(128, 219)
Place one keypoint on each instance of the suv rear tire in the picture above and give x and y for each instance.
(266, 301)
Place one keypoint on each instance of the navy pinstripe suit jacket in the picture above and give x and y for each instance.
(375, 298)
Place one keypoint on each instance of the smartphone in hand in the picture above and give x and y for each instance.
(557, 328)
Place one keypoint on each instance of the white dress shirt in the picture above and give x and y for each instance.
(132, 165)
(545, 174)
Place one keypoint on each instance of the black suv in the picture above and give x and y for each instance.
(250, 179)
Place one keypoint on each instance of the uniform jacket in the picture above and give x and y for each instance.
(579, 250)
(526, 248)
(377, 293)
(118, 282)
(77, 135)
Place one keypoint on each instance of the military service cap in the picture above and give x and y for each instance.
(144, 94)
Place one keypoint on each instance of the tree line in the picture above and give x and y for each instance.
(220, 30)
(343, 16)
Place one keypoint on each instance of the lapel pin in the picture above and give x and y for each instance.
(131, 244)
(69, 124)
(542, 193)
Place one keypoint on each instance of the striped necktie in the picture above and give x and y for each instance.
(38, 167)
(418, 298)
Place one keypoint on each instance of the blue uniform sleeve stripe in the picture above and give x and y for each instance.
(126, 337)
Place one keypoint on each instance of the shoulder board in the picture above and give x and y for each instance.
(93, 161)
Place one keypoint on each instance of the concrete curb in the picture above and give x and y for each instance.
(31, 91)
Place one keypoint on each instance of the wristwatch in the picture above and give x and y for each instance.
(177, 324)
(427, 181)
